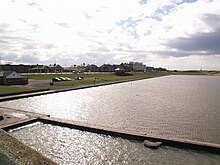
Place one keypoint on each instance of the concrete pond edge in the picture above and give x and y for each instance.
(131, 135)
(24, 92)
(14, 152)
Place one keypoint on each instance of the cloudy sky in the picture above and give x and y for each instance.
(175, 34)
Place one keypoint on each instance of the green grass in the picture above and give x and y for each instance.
(109, 77)
(5, 90)
(100, 75)
(90, 79)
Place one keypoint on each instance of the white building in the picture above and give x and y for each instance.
(137, 66)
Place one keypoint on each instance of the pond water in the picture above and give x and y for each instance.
(173, 106)
(69, 146)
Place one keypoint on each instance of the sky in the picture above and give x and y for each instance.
(174, 34)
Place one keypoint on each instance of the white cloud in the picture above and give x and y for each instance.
(193, 62)
(117, 31)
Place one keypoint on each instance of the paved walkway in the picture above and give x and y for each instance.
(9, 116)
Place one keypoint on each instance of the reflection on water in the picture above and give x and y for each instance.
(69, 146)
(177, 106)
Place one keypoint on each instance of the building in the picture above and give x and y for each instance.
(70, 69)
(137, 66)
(76, 68)
(12, 78)
(160, 69)
(55, 68)
(127, 67)
(39, 69)
(17, 68)
(150, 69)
(107, 68)
(32, 68)
(92, 68)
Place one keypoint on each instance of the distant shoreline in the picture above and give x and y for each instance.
(40, 83)
(44, 92)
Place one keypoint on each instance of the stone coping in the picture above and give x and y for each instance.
(24, 92)
(167, 141)
(132, 135)
(10, 117)
(30, 117)
(12, 151)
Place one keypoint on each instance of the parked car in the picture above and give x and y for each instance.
(67, 79)
(79, 78)
(62, 78)
(56, 79)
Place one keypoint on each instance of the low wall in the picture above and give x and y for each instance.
(174, 142)
(24, 92)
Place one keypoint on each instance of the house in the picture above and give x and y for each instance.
(92, 68)
(127, 67)
(107, 68)
(137, 66)
(17, 68)
(39, 69)
(55, 68)
(71, 69)
(76, 68)
(81, 68)
(150, 69)
(12, 78)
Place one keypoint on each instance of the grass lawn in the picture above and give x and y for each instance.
(92, 75)
(109, 77)
(90, 79)
(4, 90)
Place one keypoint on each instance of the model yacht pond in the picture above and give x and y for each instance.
(171, 106)
(69, 146)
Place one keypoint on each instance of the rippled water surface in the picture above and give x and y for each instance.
(69, 146)
(177, 106)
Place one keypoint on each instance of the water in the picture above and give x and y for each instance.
(172, 106)
(69, 146)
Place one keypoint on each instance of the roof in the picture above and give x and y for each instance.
(10, 74)
(40, 67)
(5, 73)
(55, 66)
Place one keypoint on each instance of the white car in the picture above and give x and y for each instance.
(56, 79)
(67, 79)
(62, 78)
